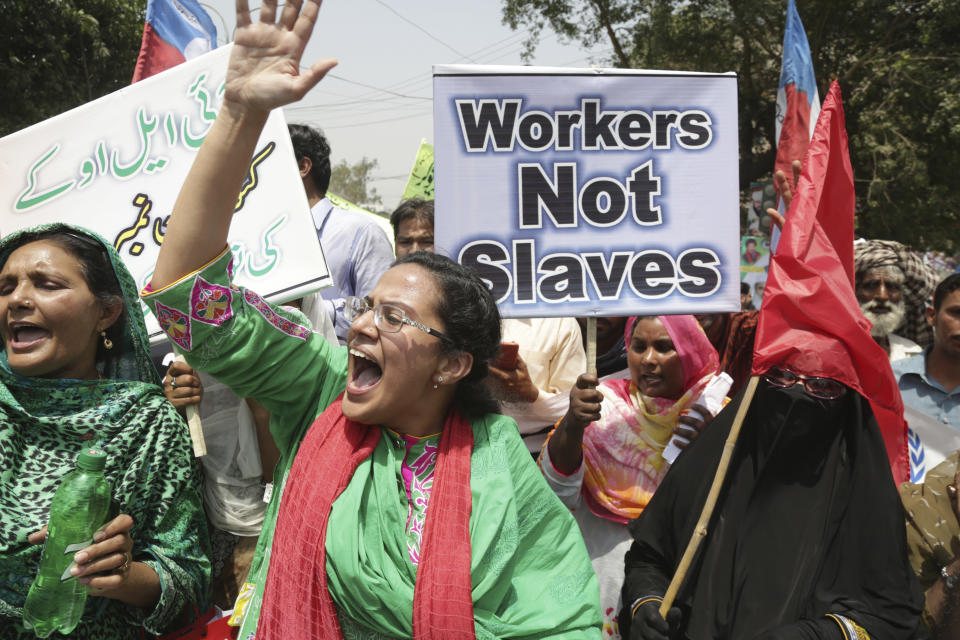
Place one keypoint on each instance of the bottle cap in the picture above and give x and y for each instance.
(92, 459)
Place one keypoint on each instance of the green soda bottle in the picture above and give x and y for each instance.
(56, 599)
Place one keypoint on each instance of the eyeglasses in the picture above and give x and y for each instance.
(387, 317)
(824, 388)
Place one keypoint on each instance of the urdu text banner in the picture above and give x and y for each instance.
(590, 192)
(116, 165)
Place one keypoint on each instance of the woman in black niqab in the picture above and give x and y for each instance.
(807, 539)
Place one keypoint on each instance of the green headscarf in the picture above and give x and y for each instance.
(45, 422)
(130, 357)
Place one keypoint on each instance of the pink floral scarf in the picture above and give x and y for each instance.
(622, 451)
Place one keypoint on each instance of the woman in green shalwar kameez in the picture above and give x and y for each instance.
(61, 390)
(374, 435)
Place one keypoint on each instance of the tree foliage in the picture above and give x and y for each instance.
(897, 61)
(59, 54)
(352, 182)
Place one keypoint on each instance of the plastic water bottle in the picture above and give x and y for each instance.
(56, 599)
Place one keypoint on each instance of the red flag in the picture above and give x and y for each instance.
(810, 320)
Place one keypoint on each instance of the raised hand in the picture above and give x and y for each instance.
(785, 189)
(264, 70)
(264, 73)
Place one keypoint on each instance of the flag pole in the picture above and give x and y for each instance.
(700, 531)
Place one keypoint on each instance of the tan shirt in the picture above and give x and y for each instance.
(554, 354)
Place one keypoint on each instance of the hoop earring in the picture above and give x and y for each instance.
(107, 342)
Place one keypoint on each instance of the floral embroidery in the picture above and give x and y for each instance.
(210, 303)
(175, 324)
(419, 472)
(287, 326)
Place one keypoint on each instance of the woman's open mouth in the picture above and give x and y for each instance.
(25, 336)
(365, 374)
(647, 381)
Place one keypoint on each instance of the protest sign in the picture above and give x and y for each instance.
(379, 220)
(420, 183)
(590, 192)
(116, 165)
(930, 442)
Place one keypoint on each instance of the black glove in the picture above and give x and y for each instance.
(648, 625)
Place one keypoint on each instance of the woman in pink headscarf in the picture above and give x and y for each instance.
(605, 459)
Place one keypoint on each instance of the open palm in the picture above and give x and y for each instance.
(264, 70)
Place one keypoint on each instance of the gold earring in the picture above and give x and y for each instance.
(107, 342)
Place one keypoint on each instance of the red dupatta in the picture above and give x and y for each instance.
(297, 604)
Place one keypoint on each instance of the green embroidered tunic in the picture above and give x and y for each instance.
(530, 572)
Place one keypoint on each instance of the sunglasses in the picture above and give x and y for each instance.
(823, 388)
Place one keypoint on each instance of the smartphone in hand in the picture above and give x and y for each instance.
(507, 356)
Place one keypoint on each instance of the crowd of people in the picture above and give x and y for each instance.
(392, 459)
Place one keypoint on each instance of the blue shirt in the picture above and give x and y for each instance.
(357, 252)
(925, 394)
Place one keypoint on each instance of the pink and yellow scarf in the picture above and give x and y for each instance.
(622, 451)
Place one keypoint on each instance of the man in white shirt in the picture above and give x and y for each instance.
(537, 393)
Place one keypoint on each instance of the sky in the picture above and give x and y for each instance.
(377, 103)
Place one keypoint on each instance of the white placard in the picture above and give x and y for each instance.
(116, 165)
(930, 442)
(590, 191)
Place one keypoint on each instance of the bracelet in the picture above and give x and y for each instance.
(639, 602)
(949, 581)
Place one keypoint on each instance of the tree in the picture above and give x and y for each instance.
(59, 54)
(897, 62)
(352, 182)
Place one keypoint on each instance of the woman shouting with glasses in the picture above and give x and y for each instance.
(404, 506)
(807, 539)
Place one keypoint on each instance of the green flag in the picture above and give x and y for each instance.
(420, 184)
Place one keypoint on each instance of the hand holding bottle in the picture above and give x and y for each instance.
(104, 565)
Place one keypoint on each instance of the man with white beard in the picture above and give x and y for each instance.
(880, 293)
(893, 286)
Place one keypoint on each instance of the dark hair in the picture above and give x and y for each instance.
(471, 321)
(950, 284)
(751, 241)
(97, 272)
(744, 288)
(412, 208)
(309, 143)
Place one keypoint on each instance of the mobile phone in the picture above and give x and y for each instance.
(507, 356)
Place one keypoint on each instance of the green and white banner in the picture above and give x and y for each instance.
(116, 165)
